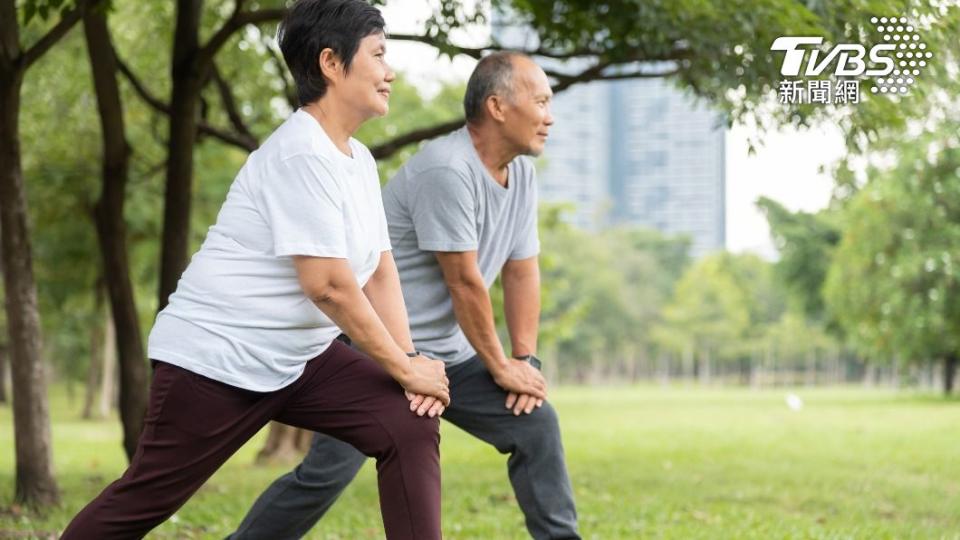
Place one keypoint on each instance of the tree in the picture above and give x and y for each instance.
(805, 242)
(720, 312)
(708, 313)
(602, 294)
(3, 342)
(35, 484)
(111, 229)
(894, 282)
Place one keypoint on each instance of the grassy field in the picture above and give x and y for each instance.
(646, 462)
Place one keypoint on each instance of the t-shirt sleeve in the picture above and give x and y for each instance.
(384, 229)
(528, 237)
(443, 209)
(303, 205)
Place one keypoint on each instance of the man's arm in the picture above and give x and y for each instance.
(331, 285)
(385, 296)
(474, 313)
(521, 306)
(521, 303)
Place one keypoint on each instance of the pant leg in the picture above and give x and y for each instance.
(193, 425)
(536, 464)
(294, 503)
(352, 398)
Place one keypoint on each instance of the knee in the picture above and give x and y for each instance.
(421, 432)
(540, 428)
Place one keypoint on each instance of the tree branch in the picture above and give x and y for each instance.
(230, 105)
(477, 52)
(64, 25)
(238, 19)
(595, 73)
(141, 89)
(289, 90)
(635, 54)
(387, 149)
(237, 140)
(244, 141)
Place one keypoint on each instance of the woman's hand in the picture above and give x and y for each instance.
(426, 377)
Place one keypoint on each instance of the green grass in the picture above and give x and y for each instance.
(646, 462)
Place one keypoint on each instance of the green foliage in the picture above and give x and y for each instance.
(722, 306)
(805, 242)
(721, 50)
(603, 291)
(893, 283)
(42, 9)
(62, 170)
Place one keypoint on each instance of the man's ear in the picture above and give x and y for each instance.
(330, 65)
(495, 107)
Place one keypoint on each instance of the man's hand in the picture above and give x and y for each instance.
(519, 377)
(428, 405)
(522, 402)
(427, 377)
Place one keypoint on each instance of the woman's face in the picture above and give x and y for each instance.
(366, 85)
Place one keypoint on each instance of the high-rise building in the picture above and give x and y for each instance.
(667, 162)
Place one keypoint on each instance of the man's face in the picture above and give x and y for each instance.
(527, 117)
(367, 84)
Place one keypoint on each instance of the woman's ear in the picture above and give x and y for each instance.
(330, 65)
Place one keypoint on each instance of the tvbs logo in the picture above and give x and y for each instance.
(848, 58)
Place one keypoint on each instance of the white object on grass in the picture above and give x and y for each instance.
(794, 402)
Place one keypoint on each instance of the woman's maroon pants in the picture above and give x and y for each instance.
(194, 424)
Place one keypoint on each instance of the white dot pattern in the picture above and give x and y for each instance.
(897, 31)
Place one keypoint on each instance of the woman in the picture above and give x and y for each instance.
(299, 254)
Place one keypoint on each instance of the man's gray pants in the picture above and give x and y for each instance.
(297, 500)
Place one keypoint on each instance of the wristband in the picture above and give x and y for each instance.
(529, 358)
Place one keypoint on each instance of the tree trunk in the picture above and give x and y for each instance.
(705, 374)
(3, 372)
(187, 76)
(689, 363)
(95, 369)
(108, 382)
(35, 484)
(549, 368)
(285, 444)
(111, 230)
(869, 374)
(811, 371)
(949, 372)
(664, 362)
(756, 371)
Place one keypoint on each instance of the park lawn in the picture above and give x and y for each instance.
(647, 462)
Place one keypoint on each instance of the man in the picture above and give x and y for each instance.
(459, 212)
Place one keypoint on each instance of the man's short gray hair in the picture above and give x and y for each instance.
(492, 76)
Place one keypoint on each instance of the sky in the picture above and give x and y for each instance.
(785, 168)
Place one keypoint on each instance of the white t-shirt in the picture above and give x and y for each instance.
(239, 315)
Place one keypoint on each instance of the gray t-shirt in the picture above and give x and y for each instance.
(444, 199)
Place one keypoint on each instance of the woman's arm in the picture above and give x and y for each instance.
(332, 286)
(385, 295)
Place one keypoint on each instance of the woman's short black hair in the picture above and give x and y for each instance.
(314, 25)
